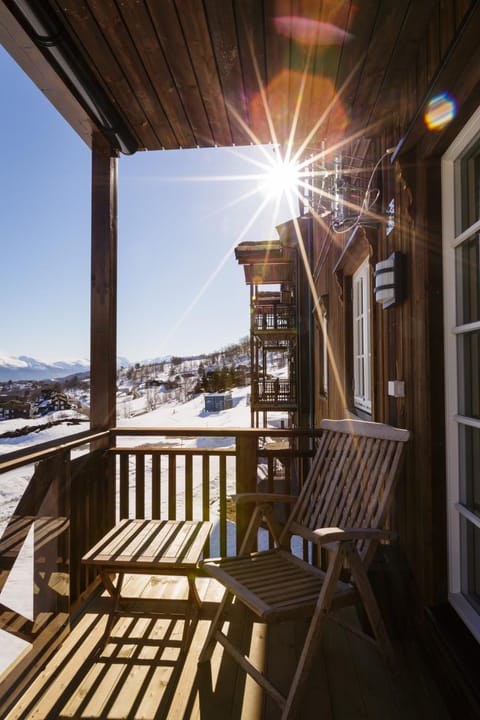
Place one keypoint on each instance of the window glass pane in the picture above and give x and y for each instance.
(468, 169)
(470, 570)
(467, 261)
(469, 470)
(468, 353)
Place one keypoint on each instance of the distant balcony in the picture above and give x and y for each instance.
(273, 319)
(273, 394)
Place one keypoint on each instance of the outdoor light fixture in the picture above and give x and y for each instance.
(390, 280)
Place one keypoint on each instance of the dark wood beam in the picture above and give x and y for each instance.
(103, 349)
(25, 53)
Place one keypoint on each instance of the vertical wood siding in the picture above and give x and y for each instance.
(407, 338)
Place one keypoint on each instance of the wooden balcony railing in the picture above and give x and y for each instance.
(273, 393)
(79, 489)
(267, 318)
(81, 486)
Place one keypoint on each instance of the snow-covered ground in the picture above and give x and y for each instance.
(16, 593)
(69, 421)
(189, 414)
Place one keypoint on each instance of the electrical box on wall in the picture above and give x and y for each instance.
(396, 388)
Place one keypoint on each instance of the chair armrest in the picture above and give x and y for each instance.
(263, 498)
(324, 536)
(334, 534)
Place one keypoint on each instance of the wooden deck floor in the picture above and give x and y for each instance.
(141, 674)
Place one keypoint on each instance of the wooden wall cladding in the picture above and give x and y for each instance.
(408, 338)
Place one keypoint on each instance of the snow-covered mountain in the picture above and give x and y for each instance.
(27, 368)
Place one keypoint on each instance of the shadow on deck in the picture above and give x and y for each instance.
(141, 673)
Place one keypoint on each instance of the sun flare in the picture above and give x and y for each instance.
(281, 178)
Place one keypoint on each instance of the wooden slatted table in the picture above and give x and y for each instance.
(150, 547)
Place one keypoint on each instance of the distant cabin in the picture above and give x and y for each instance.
(55, 401)
(14, 408)
(59, 401)
(218, 401)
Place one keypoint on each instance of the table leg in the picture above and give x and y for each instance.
(115, 592)
(193, 605)
(192, 590)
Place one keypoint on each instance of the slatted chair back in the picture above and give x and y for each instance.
(351, 481)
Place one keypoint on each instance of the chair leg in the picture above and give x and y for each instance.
(314, 633)
(362, 583)
(207, 650)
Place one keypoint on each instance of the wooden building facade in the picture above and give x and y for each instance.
(396, 322)
(347, 88)
(389, 230)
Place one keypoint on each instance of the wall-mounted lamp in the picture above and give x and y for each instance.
(390, 280)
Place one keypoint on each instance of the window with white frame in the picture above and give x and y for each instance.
(461, 259)
(361, 308)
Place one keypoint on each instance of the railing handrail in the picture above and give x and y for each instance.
(35, 453)
(170, 450)
(214, 432)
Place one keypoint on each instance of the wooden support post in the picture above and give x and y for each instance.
(103, 350)
(246, 480)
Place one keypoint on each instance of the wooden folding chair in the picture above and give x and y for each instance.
(342, 508)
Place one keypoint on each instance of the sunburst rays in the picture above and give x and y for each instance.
(295, 170)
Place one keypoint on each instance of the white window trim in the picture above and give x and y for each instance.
(362, 323)
(451, 330)
(323, 337)
(325, 354)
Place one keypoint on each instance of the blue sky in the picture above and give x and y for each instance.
(181, 213)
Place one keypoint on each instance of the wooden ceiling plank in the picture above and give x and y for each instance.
(251, 42)
(172, 40)
(327, 100)
(221, 21)
(124, 44)
(307, 86)
(389, 21)
(178, 71)
(82, 27)
(465, 88)
(354, 54)
(447, 23)
(461, 7)
(148, 47)
(304, 39)
(283, 80)
(412, 33)
(198, 40)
